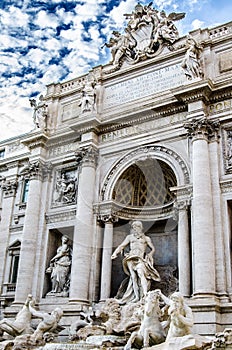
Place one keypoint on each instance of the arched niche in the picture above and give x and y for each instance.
(140, 186)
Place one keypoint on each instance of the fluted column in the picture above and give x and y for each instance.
(83, 232)
(30, 231)
(9, 190)
(184, 251)
(203, 243)
(106, 256)
(218, 215)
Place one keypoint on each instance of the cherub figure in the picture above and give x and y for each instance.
(166, 30)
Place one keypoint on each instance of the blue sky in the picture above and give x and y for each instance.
(45, 41)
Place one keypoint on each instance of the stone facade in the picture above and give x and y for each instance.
(146, 137)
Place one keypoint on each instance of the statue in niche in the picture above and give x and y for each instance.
(60, 266)
(66, 188)
(88, 96)
(147, 31)
(40, 115)
(191, 61)
(137, 264)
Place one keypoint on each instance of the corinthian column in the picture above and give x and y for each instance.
(203, 237)
(106, 256)
(218, 217)
(33, 172)
(84, 230)
(9, 190)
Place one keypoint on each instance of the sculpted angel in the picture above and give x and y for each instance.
(166, 29)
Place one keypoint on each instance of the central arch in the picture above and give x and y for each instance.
(140, 186)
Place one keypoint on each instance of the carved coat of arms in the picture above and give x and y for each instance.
(147, 31)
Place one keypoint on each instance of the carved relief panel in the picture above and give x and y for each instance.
(65, 187)
(227, 150)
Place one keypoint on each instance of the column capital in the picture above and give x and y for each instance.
(36, 170)
(203, 128)
(9, 187)
(87, 156)
(107, 218)
(180, 206)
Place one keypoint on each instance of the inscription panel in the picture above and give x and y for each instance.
(144, 85)
(220, 106)
(143, 127)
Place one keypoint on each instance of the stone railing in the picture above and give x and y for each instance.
(220, 31)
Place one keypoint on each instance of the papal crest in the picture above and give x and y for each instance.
(148, 31)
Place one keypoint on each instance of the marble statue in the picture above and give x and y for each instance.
(40, 115)
(151, 331)
(137, 264)
(120, 45)
(180, 315)
(166, 30)
(49, 323)
(21, 323)
(88, 96)
(191, 62)
(59, 268)
(146, 32)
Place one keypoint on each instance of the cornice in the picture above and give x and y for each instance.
(60, 216)
(163, 111)
(191, 92)
(36, 140)
(110, 210)
(13, 162)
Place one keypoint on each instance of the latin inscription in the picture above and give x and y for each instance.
(140, 128)
(55, 151)
(144, 85)
(220, 106)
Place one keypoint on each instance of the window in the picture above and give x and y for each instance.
(14, 268)
(25, 191)
(14, 254)
(2, 153)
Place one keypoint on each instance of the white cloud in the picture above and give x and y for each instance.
(45, 20)
(14, 17)
(197, 24)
